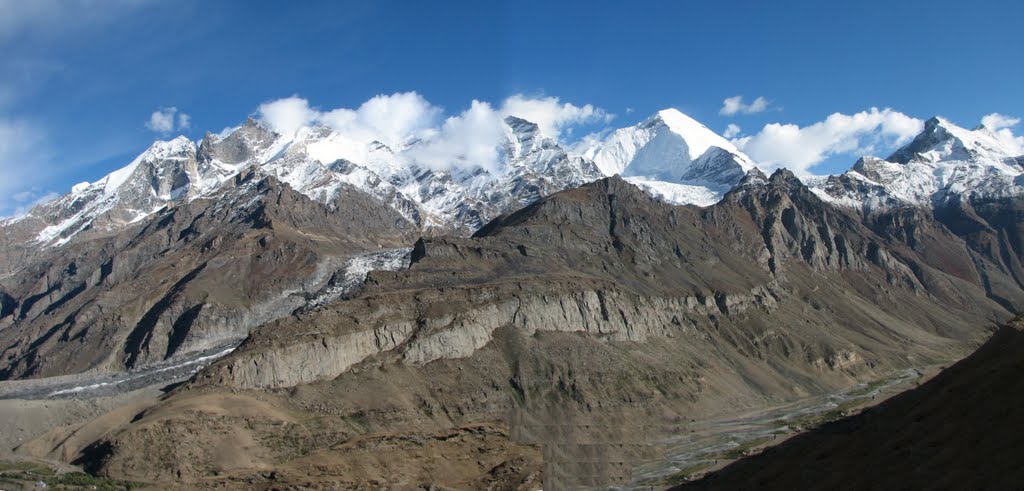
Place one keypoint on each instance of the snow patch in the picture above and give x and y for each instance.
(353, 273)
(679, 194)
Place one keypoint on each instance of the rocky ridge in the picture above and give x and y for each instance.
(593, 305)
(47, 306)
(660, 279)
(193, 278)
(942, 165)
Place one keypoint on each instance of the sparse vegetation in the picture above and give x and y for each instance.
(685, 474)
(744, 448)
(840, 411)
(24, 475)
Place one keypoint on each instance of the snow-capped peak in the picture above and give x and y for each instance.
(670, 146)
(697, 136)
(179, 148)
(941, 140)
(164, 173)
(944, 162)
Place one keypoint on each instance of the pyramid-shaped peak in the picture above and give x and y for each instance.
(670, 115)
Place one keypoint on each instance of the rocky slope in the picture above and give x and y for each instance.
(584, 323)
(967, 180)
(960, 430)
(56, 321)
(341, 189)
(663, 259)
(571, 329)
(194, 277)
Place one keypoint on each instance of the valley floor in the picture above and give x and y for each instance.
(714, 444)
(27, 431)
(959, 430)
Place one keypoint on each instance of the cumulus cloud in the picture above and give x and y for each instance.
(735, 105)
(469, 138)
(799, 148)
(385, 118)
(732, 131)
(184, 121)
(552, 115)
(389, 119)
(161, 121)
(288, 115)
(167, 119)
(996, 121)
(1000, 125)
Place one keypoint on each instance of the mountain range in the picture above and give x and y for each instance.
(669, 154)
(669, 149)
(386, 310)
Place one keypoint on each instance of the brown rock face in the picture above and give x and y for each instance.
(195, 277)
(589, 323)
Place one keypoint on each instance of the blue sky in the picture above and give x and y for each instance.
(79, 80)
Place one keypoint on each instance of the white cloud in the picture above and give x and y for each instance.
(731, 106)
(1000, 125)
(996, 121)
(789, 145)
(163, 120)
(470, 138)
(759, 104)
(1013, 143)
(184, 121)
(734, 105)
(551, 115)
(389, 119)
(732, 131)
(288, 115)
